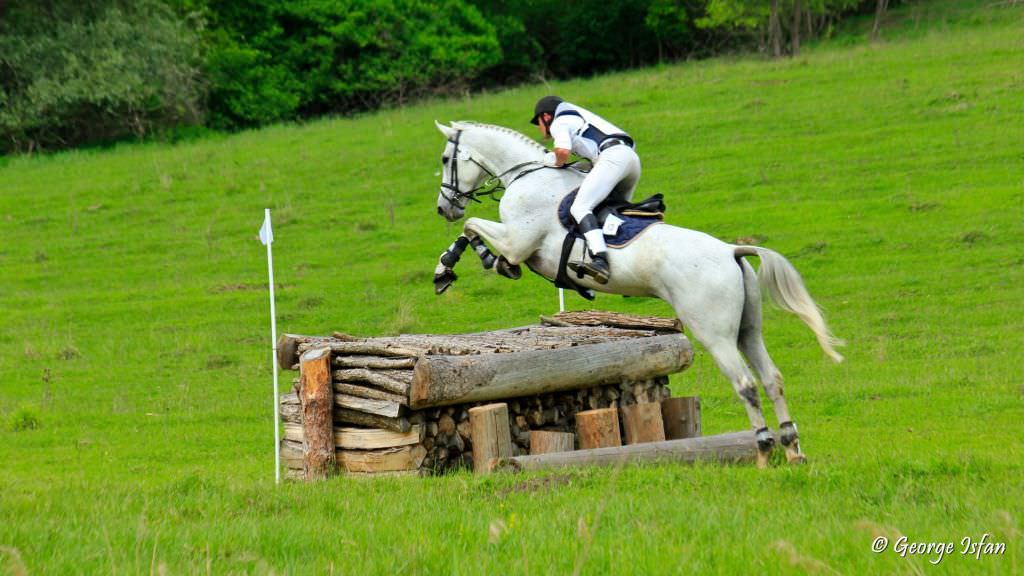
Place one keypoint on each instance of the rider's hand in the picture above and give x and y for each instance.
(550, 159)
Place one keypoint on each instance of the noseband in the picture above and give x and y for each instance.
(490, 186)
(456, 196)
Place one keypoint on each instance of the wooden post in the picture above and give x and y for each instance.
(544, 442)
(681, 417)
(492, 439)
(318, 458)
(642, 423)
(598, 428)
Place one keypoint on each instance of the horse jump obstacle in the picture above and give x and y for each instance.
(422, 404)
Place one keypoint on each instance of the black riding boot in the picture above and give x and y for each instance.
(597, 265)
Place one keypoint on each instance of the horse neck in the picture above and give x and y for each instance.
(503, 150)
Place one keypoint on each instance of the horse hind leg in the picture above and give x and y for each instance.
(499, 263)
(751, 343)
(731, 363)
(715, 320)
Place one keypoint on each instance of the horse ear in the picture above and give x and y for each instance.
(448, 132)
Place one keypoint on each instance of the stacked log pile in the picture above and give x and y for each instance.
(381, 426)
(448, 436)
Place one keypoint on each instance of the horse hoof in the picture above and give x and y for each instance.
(444, 281)
(762, 459)
(796, 459)
(511, 271)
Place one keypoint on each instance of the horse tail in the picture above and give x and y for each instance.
(787, 290)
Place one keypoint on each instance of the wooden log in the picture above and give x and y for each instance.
(614, 319)
(385, 408)
(445, 424)
(598, 428)
(681, 417)
(456, 443)
(373, 362)
(291, 449)
(387, 460)
(535, 417)
(385, 381)
(399, 424)
(544, 442)
(731, 447)
(290, 409)
(491, 437)
(642, 423)
(358, 438)
(443, 380)
(393, 474)
(318, 458)
(367, 392)
(288, 351)
(410, 346)
(375, 348)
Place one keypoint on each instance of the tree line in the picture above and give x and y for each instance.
(76, 72)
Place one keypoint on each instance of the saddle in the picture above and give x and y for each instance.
(621, 221)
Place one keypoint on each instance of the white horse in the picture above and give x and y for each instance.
(712, 289)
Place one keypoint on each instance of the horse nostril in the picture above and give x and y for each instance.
(440, 212)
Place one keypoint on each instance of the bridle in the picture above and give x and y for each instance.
(491, 186)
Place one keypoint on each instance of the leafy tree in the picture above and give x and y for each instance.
(74, 72)
(275, 60)
(767, 19)
(674, 27)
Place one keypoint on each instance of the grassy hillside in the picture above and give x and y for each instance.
(134, 348)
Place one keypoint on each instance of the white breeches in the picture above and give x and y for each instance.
(618, 169)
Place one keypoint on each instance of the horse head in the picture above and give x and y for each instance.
(463, 170)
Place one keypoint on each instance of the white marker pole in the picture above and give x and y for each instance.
(267, 237)
(561, 299)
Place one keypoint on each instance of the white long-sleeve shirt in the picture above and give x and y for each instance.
(578, 129)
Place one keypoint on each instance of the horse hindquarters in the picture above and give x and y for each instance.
(704, 285)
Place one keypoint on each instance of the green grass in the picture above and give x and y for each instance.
(135, 405)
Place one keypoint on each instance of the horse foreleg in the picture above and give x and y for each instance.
(444, 273)
(513, 249)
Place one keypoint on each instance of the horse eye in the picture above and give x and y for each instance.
(444, 160)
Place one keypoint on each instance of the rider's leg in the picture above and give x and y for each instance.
(631, 177)
(608, 172)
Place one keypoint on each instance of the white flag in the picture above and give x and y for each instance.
(266, 233)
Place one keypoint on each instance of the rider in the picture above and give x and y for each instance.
(616, 168)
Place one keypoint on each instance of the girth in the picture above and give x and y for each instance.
(652, 208)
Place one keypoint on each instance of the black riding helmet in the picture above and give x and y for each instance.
(546, 105)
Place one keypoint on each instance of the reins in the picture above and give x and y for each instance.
(493, 184)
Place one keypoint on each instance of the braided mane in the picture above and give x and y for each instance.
(463, 124)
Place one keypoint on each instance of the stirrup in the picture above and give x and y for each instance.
(597, 268)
